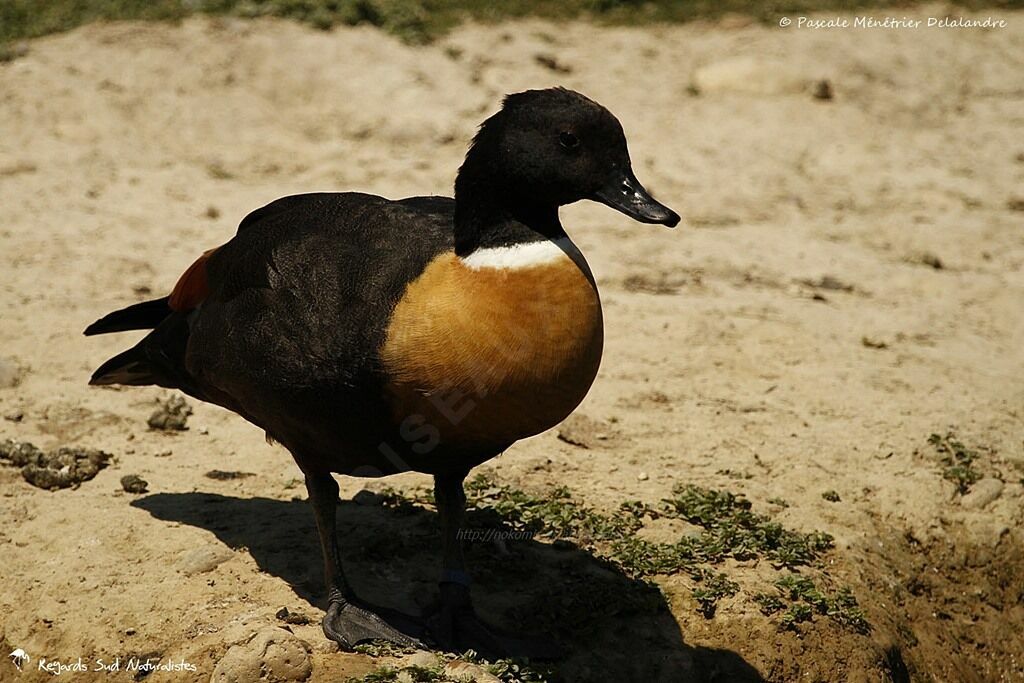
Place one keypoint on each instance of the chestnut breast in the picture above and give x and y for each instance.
(497, 346)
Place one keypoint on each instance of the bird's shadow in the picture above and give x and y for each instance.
(611, 627)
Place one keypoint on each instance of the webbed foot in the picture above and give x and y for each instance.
(349, 623)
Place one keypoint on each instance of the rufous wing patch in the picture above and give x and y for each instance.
(193, 286)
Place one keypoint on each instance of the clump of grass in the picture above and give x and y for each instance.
(729, 529)
(407, 19)
(414, 21)
(769, 603)
(799, 599)
(554, 515)
(843, 609)
(957, 461)
(732, 529)
(714, 588)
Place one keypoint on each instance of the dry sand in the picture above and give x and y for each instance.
(126, 150)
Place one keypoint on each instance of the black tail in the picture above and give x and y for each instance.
(143, 316)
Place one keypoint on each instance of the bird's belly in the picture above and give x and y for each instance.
(478, 358)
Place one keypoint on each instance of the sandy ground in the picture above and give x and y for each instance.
(125, 150)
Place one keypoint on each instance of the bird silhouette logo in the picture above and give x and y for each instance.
(20, 658)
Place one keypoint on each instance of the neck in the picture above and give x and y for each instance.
(492, 211)
(487, 216)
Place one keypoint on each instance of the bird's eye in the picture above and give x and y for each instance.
(568, 140)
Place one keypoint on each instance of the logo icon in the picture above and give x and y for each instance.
(19, 657)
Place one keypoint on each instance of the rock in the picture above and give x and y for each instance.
(822, 90)
(204, 559)
(171, 415)
(238, 665)
(221, 475)
(19, 453)
(580, 430)
(422, 658)
(296, 618)
(643, 476)
(133, 483)
(752, 76)
(467, 671)
(11, 374)
(59, 469)
(283, 656)
(982, 493)
(241, 629)
(368, 498)
(925, 258)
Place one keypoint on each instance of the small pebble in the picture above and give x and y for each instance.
(585, 432)
(203, 559)
(296, 618)
(462, 670)
(422, 658)
(982, 493)
(822, 90)
(172, 415)
(133, 483)
(221, 475)
(643, 476)
(368, 498)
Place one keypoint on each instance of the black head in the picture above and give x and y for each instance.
(547, 148)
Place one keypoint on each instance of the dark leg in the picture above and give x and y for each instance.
(456, 626)
(348, 621)
(455, 623)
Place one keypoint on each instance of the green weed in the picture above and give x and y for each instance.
(414, 21)
(728, 528)
(799, 599)
(957, 461)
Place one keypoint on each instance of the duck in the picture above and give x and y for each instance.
(371, 336)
